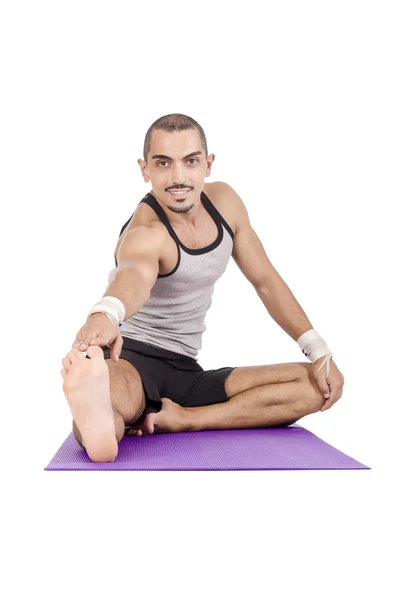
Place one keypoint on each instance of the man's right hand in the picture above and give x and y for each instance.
(100, 331)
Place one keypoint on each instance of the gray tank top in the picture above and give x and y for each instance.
(174, 316)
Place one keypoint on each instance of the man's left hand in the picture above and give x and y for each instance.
(332, 385)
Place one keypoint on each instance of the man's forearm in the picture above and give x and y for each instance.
(129, 287)
(283, 307)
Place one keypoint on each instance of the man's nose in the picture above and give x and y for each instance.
(178, 173)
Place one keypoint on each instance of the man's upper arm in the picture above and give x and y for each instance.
(141, 250)
(248, 251)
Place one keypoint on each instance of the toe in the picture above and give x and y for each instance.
(66, 363)
(134, 432)
(72, 356)
(75, 354)
(148, 424)
(94, 352)
(63, 373)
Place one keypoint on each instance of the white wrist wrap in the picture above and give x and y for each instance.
(314, 347)
(111, 306)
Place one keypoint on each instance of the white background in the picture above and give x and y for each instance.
(298, 102)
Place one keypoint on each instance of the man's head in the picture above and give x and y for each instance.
(176, 158)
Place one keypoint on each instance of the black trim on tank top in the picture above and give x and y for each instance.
(217, 215)
(156, 207)
(212, 211)
(178, 262)
(152, 202)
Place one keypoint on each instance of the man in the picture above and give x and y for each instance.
(169, 255)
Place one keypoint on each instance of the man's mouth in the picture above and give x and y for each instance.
(178, 193)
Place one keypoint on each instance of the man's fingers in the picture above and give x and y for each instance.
(86, 342)
(322, 384)
(324, 389)
(116, 348)
(335, 395)
(97, 341)
(328, 403)
(95, 334)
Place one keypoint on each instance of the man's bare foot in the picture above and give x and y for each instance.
(87, 390)
(171, 418)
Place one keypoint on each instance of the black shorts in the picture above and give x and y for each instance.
(172, 375)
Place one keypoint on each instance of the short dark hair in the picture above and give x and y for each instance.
(173, 122)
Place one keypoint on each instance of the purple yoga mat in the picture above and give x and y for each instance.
(284, 448)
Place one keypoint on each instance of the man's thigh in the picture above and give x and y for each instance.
(201, 388)
(245, 378)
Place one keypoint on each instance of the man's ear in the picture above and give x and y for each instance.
(142, 165)
(210, 160)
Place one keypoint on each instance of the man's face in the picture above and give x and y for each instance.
(177, 161)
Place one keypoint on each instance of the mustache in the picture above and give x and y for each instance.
(182, 187)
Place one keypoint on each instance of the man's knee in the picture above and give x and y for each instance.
(312, 399)
(127, 394)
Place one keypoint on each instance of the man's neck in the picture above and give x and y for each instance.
(190, 220)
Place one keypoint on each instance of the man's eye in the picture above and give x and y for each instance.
(162, 162)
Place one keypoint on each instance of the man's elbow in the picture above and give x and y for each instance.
(267, 283)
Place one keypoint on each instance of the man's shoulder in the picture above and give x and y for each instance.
(219, 188)
(226, 200)
(222, 191)
(143, 226)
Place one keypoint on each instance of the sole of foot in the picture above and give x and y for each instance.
(87, 389)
